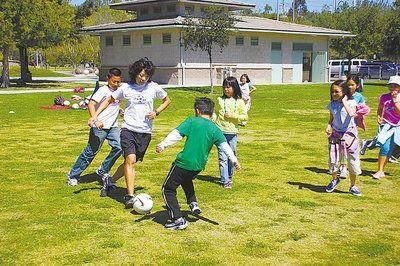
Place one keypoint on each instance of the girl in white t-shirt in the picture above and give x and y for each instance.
(247, 88)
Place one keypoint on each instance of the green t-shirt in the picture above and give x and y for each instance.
(201, 134)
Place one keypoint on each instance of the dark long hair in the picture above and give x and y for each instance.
(342, 84)
(246, 76)
(142, 64)
(232, 82)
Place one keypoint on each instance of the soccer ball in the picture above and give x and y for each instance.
(83, 105)
(75, 106)
(66, 103)
(142, 203)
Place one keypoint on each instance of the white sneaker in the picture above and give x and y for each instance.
(72, 181)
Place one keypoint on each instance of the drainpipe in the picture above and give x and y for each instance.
(181, 58)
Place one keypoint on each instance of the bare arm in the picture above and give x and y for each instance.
(328, 129)
(350, 111)
(253, 89)
(165, 102)
(102, 106)
(379, 113)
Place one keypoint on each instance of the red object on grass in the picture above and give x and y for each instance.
(79, 90)
(54, 107)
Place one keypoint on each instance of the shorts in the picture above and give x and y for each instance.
(134, 143)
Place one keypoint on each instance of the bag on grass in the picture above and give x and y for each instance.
(58, 100)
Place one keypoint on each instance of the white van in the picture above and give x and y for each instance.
(339, 66)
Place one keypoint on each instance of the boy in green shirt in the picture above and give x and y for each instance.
(201, 133)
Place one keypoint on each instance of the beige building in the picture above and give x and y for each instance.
(269, 51)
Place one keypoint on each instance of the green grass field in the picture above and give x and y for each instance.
(37, 72)
(276, 213)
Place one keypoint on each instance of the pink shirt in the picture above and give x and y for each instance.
(389, 111)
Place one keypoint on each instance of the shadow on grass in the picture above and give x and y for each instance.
(316, 170)
(208, 178)
(161, 217)
(369, 160)
(315, 188)
(119, 193)
(90, 178)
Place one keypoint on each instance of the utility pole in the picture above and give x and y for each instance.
(293, 11)
(277, 10)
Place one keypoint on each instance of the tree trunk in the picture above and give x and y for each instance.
(211, 77)
(26, 76)
(5, 74)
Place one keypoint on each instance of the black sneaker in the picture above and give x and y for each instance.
(178, 224)
(194, 208)
(129, 201)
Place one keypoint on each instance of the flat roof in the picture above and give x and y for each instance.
(244, 24)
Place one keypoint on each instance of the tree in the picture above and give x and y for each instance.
(209, 31)
(7, 12)
(267, 9)
(392, 34)
(39, 24)
(300, 9)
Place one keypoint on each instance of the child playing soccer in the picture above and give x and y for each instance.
(247, 89)
(139, 114)
(201, 133)
(343, 136)
(104, 127)
(230, 112)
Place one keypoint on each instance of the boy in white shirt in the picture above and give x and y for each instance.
(105, 127)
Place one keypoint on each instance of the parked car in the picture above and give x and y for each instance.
(338, 67)
(377, 70)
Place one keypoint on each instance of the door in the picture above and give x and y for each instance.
(297, 61)
(319, 66)
(307, 67)
(276, 62)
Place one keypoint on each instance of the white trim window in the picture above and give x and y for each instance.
(146, 39)
(126, 40)
(254, 41)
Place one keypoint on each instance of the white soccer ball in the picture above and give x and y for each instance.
(142, 203)
(75, 106)
(66, 103)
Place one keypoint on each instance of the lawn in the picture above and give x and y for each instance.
(37, 72)
(276, 213)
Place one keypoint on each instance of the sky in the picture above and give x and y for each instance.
(313, 5)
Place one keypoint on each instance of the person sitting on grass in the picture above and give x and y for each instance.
(201, 133)
(343, 136)
(139, 114)
(104, 127)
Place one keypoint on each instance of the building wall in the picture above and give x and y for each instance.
(255, 60)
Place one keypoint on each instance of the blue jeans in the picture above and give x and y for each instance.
(96, 140)
(225, 165)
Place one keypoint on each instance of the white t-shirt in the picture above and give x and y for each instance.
(245, 88)
(109, 116)
(140, 100)
(341, 119)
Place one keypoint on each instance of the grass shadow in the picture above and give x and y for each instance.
(89, 178)
(315, 188)
(161, 217)
(119, 193)
(316, 170)
(208, 178)
(369, 160)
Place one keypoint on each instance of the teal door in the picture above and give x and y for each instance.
(297, 62)
(276, 61)
(319, 66)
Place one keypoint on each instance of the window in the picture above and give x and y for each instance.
(189, 9)
(239, 40)
(336, 63)
(166, 38)
(109, 41)
(276, 46)
(302, 46)
(171, 8)
(146, 39)
(144, 11)
(126, 40)
(157, 9)
(355, 63)
(254, 41)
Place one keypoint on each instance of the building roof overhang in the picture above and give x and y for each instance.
(244, 24)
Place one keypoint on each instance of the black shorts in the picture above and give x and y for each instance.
(134, 143)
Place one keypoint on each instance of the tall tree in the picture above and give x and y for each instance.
(392, 33)
(7, 12)
(300, 9)
(209, 31)
(39, 24)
